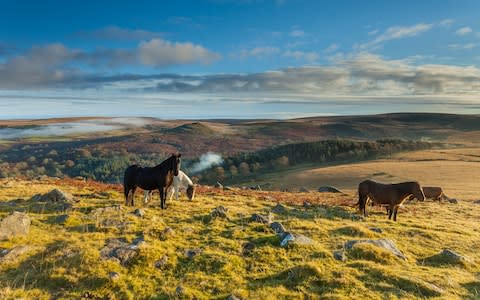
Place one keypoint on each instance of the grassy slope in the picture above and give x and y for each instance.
(64, 261)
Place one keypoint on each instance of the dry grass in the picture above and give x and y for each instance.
(64, 260)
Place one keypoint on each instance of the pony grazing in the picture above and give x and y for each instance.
(181, 181)
(393, 195)
(158, 178)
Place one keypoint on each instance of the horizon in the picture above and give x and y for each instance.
(238, 59)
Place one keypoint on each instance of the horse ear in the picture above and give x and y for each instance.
(179, 155)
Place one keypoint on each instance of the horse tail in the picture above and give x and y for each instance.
(129, 180)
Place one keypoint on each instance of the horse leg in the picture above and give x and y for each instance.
(176, 192)
(390, 211)
(126, 191)
(146, 195)
(132, 199)
(395, 213)
(163, 195)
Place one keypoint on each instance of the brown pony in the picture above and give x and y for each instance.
(158, 178)
(392, 195)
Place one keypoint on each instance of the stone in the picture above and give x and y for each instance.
(262, 219)
(191, 253)
(339, 255)
(139, 212)
(279, 209)
(15, 224)
(54, 195)
(113, 276)
(220, 212)
(62, 219)
(248, 248)
(119, 249)
(8, 256)
(376, 229)
(162, 262)
(106, 210)
(295, 239)
(453, 256)
(166, 233)
(278, 228)
(382, 243)
(180, 290)
(328, 189)
(453, 200)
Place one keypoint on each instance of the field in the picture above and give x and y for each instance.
(236, 256)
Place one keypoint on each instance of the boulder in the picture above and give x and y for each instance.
(219, 212)
(262, 219)
(61, 219)
(13, 225)
(279, 209)
(328, 189)
(382, 243)
(453, 200)
(119, 249)
(295, 239)
(278, 228)
(339, 255)
(54, 195)
(453, 256)
(11, 255)
(139, 212)
(162, 262)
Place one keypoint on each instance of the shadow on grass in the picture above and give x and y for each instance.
(38, 272)
(473, 288)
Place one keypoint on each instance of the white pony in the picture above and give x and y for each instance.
(179, 181)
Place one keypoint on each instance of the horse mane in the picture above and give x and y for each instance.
(165, 163)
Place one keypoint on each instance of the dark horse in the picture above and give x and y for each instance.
(159, 177)
(392, 195)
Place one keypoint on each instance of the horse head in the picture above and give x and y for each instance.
(175, 163)
(418, 192)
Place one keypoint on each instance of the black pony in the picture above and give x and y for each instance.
(159, 177)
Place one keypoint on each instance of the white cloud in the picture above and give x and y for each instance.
(464, 31)
(397, 32)
(257, 52)
(373, 32)
(300, 55)
(158, 52)
(332, 48)
(446, 23)
(297, 33)
(467, 46)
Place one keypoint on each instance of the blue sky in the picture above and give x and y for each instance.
(245, 59)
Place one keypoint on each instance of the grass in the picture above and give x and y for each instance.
(63, 261)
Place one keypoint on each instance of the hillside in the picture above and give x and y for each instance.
(213, 257)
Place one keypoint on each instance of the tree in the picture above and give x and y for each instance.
(233, 170)
(244, 168)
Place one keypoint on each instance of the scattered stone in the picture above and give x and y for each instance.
(180, 290)
(303, 190)
(54, 195)
(119, 249)
(233, 297)
(328, 189)
(218, 185)
(106, 210)
(139, 212)
(167, 232)
(162, 262)
(279, 209)
(278, 228)
(376, 229)
(262, 219)
(62, 219)
(13, 225)
(248, 248)
(295, 239)
(113, 276)
(10, 255)
(339, 255)
(191, 253)
(138, 242)
(220, 212)
(453, 200)
(382, 243)
(453, 256)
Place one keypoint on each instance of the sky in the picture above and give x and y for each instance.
(238, 59)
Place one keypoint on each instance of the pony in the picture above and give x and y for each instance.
(392, 195)
(158, 178)
(181, 181)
